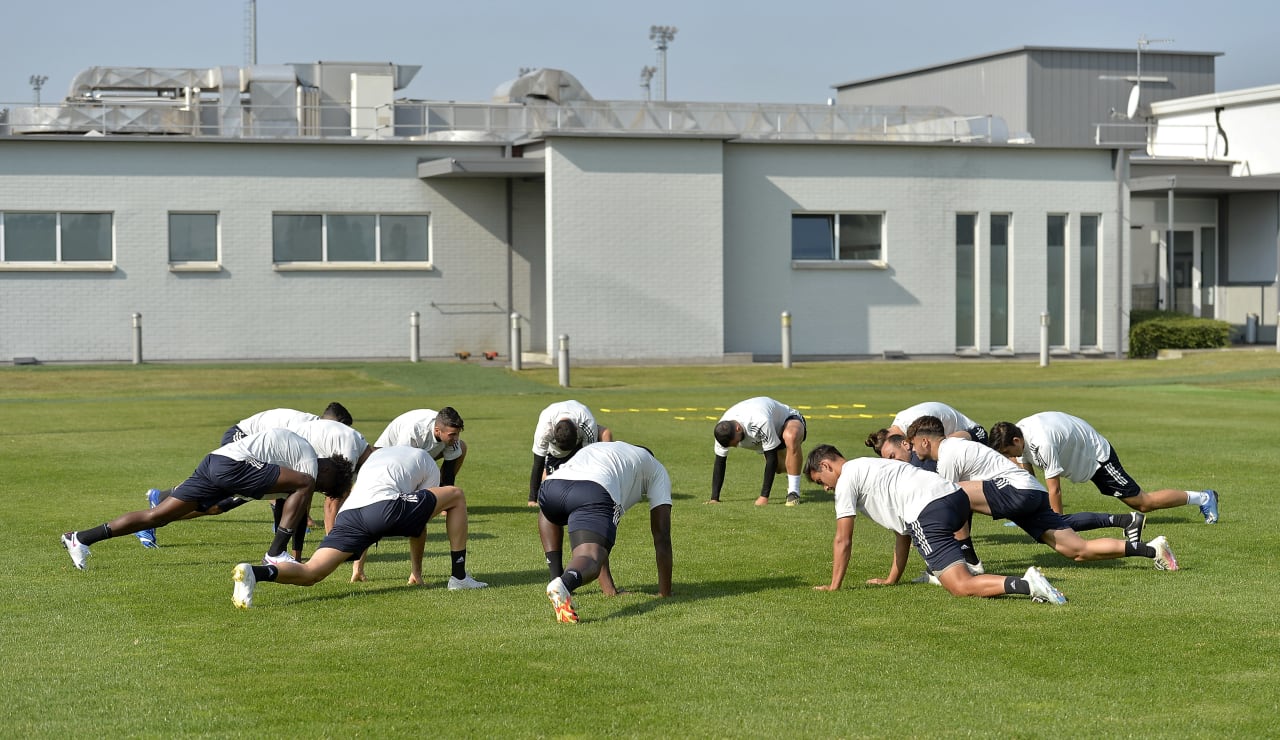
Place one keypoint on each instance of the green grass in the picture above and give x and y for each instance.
(146, 643)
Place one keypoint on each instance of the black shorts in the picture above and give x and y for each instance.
(234, 434)
(1112, 480)
(580, 504)
(354, 530)
(978, 433)
(218, 477)
(934, 532)
(1026, 507)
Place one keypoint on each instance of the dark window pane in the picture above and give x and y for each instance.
(404, 239)
(30, 237)
(1056, 297)
(193, 237)
(965, 279)
(351, 238)
(860, 236)
(812, 237)
(297, 238)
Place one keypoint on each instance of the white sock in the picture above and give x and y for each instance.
(1197, 498)
(793, 483)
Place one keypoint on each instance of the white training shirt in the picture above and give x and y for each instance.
(329, 438)
(891, 492)
(627, 472)
(274, 419)
(962, 459)
(417, 428)
(275, 446)
(761, 419)
(392, 472)
(952, 421)
(1062, 444)
(580, 415)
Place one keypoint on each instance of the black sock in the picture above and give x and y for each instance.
(458, 561)
(265, 572)
(97, 534)
(1083, 521)
(966, 548)
(571, 579)
(555, 563)
(277, 509)
(1014, 585)
(279, 542)
(227, 504)
(1138, 550)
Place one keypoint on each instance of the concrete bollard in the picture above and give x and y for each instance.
(137, 339)
(786, 339)
(1044, 339)
(564, 360)
(414, 338)
(515, 341)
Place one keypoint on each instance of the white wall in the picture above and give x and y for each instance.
(909, 305)
(634, 245)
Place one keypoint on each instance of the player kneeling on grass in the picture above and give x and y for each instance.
(589, 494)
(396, 492)
(906, 499)
(999, 488)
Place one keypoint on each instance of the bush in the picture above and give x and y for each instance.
(1152, 331)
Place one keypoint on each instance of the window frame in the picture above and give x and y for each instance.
(58, 263)
(196, 265)
(834, 261)
(377, 263)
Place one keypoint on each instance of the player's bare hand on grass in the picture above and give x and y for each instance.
(825, 587)
(712, 501)
(880, 582)
(762, 501)
(415, 580)
(358, 578)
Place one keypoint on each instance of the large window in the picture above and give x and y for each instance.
(844, 237)
(350, 237)
(1090, 225)
(55, 237)
(999, 315)
(966, 289)
(193, 237)
(1056, 293)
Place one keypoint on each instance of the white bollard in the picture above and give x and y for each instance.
(515, 341)
(137, 339)
(414, 354)
(1044, 339)
(786, 339)
(564, 360)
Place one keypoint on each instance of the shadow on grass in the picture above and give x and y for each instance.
(702, 591)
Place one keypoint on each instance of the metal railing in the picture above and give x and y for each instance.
(1182, 141)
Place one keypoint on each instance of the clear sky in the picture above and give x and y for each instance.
(786, 51)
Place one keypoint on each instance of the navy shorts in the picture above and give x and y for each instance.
(354, 530)
(978, 433)
(934, 533)
(580, 504)
(1111, 479)
(218, 477)
(1027, 508)
(234, 434)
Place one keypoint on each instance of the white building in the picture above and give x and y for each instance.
(303, 212)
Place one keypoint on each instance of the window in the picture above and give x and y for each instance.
(966, 306)
(350, 237)
(844, 237)
(193, 237)
(999, 315)
(55, 237)
(1056, 297)
(1089, 227)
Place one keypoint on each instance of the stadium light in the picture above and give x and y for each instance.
(662, 37)
(646, 77)
(37, 82)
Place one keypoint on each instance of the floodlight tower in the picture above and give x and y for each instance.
(646, 77)
(251, 32)
(37, 82)
(661, 36)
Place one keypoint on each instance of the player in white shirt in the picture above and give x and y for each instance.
(563, 429)
(921, 507)
(274, 461)
(395, 494)
(891, 442)
(1066, 446)
(765, 426)
(437, 432)
(999, 488)
(283, 419)
(589, 494)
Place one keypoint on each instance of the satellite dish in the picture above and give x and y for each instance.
(1131, 109)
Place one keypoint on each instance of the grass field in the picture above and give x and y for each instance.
(147, 643)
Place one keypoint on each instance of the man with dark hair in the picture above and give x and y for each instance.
(891, 443)
(338, 413)
(563, 428)
(589, 494)
(1065, 445)
(437, 432)
(921, 508)
(998, 487)
(397, 491)
(274, 461)
(766, 426)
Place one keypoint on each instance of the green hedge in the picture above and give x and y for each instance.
(1152, 331)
